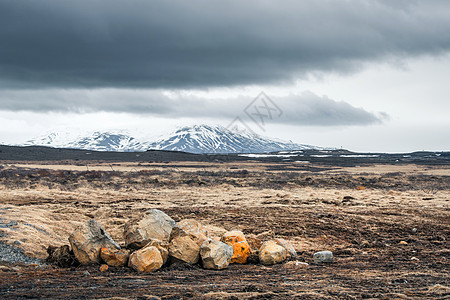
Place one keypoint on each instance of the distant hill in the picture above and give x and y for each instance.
(293, 160)
(193, 139)
(218, 139)
(97, 141)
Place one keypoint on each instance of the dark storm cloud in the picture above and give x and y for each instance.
(201, 43)
(303, 109)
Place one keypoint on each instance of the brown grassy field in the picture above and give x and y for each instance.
(405, 203)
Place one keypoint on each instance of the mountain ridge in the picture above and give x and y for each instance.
(200, 139)
(98, 141)
(218, 139)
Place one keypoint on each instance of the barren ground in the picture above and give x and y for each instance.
(41, 204)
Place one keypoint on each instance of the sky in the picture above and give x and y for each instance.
(366, 75)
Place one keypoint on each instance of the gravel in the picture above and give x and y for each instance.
(11, 254)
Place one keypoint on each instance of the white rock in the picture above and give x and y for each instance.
(323, 257)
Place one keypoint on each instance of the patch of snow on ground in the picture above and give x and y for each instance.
(359, 155)
(266, 155)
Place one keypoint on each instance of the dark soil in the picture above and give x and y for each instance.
(372, 264)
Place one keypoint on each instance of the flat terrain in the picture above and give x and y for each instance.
(387, 224)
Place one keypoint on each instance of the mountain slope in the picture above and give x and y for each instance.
(218, 139)
(99, 141)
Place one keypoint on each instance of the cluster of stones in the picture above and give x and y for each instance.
(155, 239)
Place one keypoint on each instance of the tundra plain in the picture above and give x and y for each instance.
(387, 224)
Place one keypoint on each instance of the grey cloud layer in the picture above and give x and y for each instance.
(304, 109)
(200, 43)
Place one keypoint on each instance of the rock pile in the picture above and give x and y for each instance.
(157, 239)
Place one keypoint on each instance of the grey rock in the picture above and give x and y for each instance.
(87, 240)
(215, 255)
(323, 257)
(155, 225)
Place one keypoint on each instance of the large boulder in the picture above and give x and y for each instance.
(146, 260)
(115, 258)
(87, 240)
(241, 249)
(155, 225)
(215, 255)
(271, 253)
(184, 246)
(291, 253)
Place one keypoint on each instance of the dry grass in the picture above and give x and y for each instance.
(48, 205)
(316, 210)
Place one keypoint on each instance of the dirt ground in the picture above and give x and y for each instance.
(387, 225)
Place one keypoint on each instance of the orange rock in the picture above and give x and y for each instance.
(360, 188)
(162, 247)
(114, 258)
(241, 249)
(147, 259)
(403, 243)
(104, 268)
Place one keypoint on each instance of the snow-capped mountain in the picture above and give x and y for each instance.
(218, 139)
(99, 141)
(193, 139)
